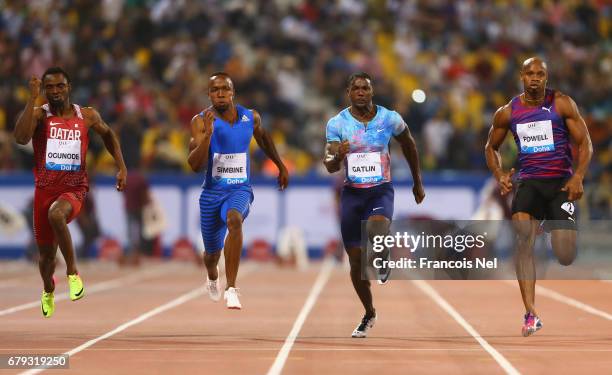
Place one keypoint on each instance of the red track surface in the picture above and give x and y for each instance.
(413, 335)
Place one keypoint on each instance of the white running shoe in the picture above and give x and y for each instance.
(231, 298)
(213, 288)
(362, 329)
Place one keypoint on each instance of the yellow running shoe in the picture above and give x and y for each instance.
(47, 304)
(76, 287)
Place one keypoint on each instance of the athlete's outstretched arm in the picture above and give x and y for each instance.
(411, 155)
(29, 118)
(497, 134)
(264, 141)
(201, 133)
(581, 138)
(111, 142)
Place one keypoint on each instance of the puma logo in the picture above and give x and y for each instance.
(547, 109)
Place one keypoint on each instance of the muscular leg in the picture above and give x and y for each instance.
(59, 212)
(46, 265)
(378, 225)
(564, 245)
(210, 261)
(362, 287)
(525, 227)
(233, 246)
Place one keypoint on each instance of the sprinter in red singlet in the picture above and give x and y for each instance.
(543, 122)
(59, 134)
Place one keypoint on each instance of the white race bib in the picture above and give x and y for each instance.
(364, 167)
(63, 155)
(535, 137)
(230, 169)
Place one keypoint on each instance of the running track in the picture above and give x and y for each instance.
(157, 319)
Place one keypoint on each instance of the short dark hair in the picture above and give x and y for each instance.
(354, 76)
(56, 70)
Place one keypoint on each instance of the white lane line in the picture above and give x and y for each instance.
(545, 292)
(158, 310)
(95, 288)
(317, 287)
(572, 302)
(149, 314)
(319, 349)
(437, 298)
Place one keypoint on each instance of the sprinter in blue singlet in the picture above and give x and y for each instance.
(221, 135)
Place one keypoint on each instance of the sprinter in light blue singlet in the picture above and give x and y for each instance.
(221, 135)
(358, 140)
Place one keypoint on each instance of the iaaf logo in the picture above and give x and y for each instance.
(531, 125)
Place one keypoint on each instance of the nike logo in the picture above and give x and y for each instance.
(79, 293)
(547, 109)
(377, 208)
(379, 130)
(571, 218)
(54, 123)
(43, 310)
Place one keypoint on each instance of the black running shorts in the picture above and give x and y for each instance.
(544, 200)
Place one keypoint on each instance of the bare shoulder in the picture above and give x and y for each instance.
(564, 103)
(197, 124)
(91, 115)
(561, 97)
(256, 122)
(501, 118)
(566, 106)
(196, 118)
(256, 116)
(39, 113)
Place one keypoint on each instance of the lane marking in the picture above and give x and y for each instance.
(321, 349)
(95, 288)
(151, 313)
(315, 291)
(440, 301)
(572, 302)
(139, 319)
(545, 292)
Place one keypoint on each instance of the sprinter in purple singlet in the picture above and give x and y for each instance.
(543, 122)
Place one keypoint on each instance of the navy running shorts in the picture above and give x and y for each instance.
(357, 204)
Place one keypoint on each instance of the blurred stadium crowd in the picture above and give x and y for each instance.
(144, 65)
